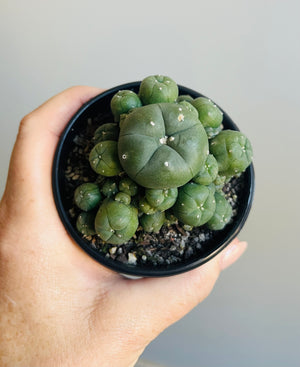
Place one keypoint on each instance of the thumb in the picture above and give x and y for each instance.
(39, 132)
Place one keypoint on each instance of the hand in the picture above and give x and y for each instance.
(58, 307)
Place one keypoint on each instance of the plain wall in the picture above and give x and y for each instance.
(245, 55)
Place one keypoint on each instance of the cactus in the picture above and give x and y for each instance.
(157, 200)
(161, 199)
(152, 222)
(104, 158)
(222, 214)
(158, 89)
(211, 132)
(108, 131)
(123, 198)
(164, 161)
(87, 196)
(209, 114)
(124, 101)
(162, 145)
(219, 182)
(208, 172)
(195, 204)
(145, 207)
(128, 186)
(185, 97)
(232, 151)
(116, 222)
(85, 223)
(109, 188)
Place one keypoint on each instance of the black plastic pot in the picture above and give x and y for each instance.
(101, 104)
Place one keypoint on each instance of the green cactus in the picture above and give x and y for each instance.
(109, 187)
(232, 151)
(122, 102)
(162, 145)
(87, 196)
(116, 222)
(189, 107)
(145, 207)
(208, 172)
(209, 114)
(85, 223)
(123, 198)
(185, 97)
(211, 132)
(222, 214)
(128, 186)
(152, 222)
(108, 131)
(104, 158)
(158, 89)
(219, 182)
(161, 199)
(195, 204)
(164, 163)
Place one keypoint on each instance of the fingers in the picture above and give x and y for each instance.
(232, 253)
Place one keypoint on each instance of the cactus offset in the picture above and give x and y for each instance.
(158, 89)
(195, 204)
(232, 151)
(87, 196)
(123, 102)
(222, 214)
(116, 222)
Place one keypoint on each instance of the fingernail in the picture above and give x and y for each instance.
(232, 253)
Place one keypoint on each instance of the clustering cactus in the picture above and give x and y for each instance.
(163, 160)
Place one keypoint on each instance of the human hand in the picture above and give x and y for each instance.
(58, 307)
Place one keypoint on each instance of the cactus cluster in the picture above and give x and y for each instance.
(163, 158)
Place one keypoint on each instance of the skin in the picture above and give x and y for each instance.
(58, 307)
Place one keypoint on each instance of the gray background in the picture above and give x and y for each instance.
(245, 55)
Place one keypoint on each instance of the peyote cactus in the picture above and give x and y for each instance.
(104, 158)
(157, 200)
(222, 214)
(152, 222)
(128, 186)
(123, 102)
(161, 199)
(85, 223)
(195, 204)
(109, 131)
(209, 114)
(163, 162)
(162, 145)
(116, 222)
(109, 187)
(87, 196)
(232, 151)
(158, 89)
(208, 172)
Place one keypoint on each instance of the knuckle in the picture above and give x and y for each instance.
(24, 125)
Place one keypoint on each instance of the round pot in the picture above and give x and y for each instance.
(100, 106)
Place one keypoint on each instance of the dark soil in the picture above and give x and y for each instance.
(171, 245)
